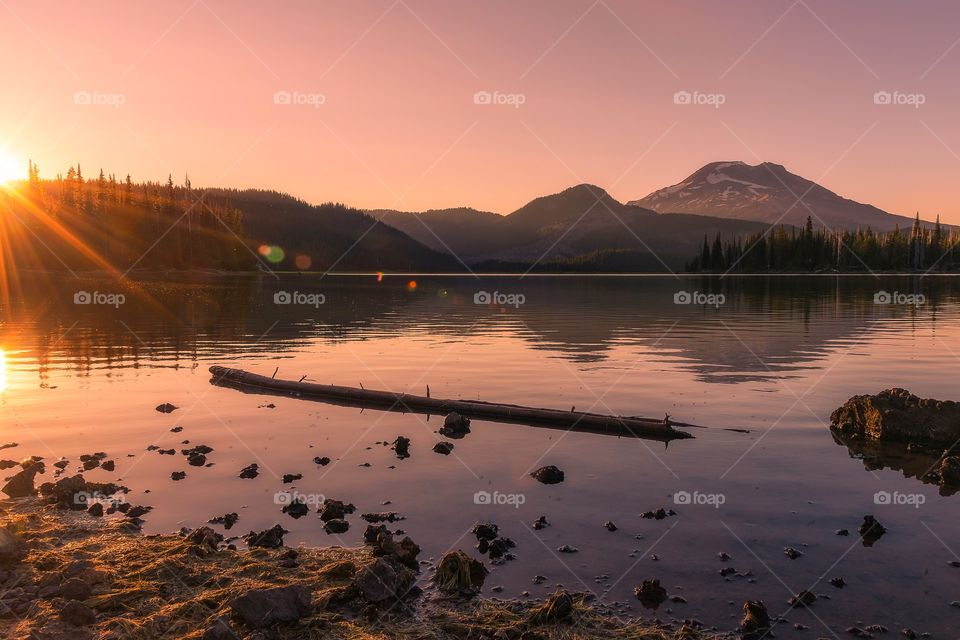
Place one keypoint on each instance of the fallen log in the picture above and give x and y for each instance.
(407, 403)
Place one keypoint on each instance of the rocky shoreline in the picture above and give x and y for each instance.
(69, 574)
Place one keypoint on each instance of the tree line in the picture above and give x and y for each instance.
(783, 249)
(88, 223)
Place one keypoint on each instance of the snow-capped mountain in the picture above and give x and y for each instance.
(768, 193)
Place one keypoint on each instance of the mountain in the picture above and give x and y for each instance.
(768, 193)
(581, 225)
(333, 236)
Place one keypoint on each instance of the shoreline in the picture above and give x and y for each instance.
(70, 575)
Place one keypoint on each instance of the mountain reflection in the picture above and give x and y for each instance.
(765, 326)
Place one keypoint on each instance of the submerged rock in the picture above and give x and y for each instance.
(336, 525)
(250, 471)
(166, 407)
(322, 461)
(296, 509)
(549, 474)
(443, 448)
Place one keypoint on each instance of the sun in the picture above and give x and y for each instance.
(10, 168)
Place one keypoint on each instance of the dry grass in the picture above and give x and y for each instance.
(151, 587)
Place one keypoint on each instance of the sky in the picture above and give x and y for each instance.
(418, 104)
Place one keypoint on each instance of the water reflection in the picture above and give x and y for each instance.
(766, 327)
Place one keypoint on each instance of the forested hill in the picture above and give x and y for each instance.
(78, 223)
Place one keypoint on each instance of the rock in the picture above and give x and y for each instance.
(260, 608)
(792, 553)
(871, 530)
(609, 526)
(373, 532)
(137, 511)
(178, 475)
(949, 471)
(385, 579)
(322, 461)
(291, 477)
(803, 599)
(485, 530)
(96, 510)
(205, 537)
(499, 548)
(541, 523)
(219, 630)
(75, 589)
(548, 474)
(404, 551)
(335, 509)
(659, 514)
(250, 471)
(296, 509)
(166, 407)
(402, 447)
(443, 448)
(567, 549)
(13, 549)
(269, 538)
(109, 465)
(74, 492)
(650, 594)
(459, 573)
(557, 609)
(843, 532)
(455, 425)
(384, 516)
(336, 525)
(756, 620)
(20, 485)
(899, 416)
(77, 614)
(839, 583)
(227, 520)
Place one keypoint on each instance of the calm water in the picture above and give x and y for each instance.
(776, 358)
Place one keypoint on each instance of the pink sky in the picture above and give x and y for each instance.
(398, 127)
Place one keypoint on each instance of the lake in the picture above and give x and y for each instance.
(83, 369)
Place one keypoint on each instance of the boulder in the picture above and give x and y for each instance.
(20, 485)
(899, 416)
(384, 580)
(261, 608)
(756, 620)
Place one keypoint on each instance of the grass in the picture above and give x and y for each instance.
(164, 586)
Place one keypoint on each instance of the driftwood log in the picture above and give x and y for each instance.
(658, 429)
